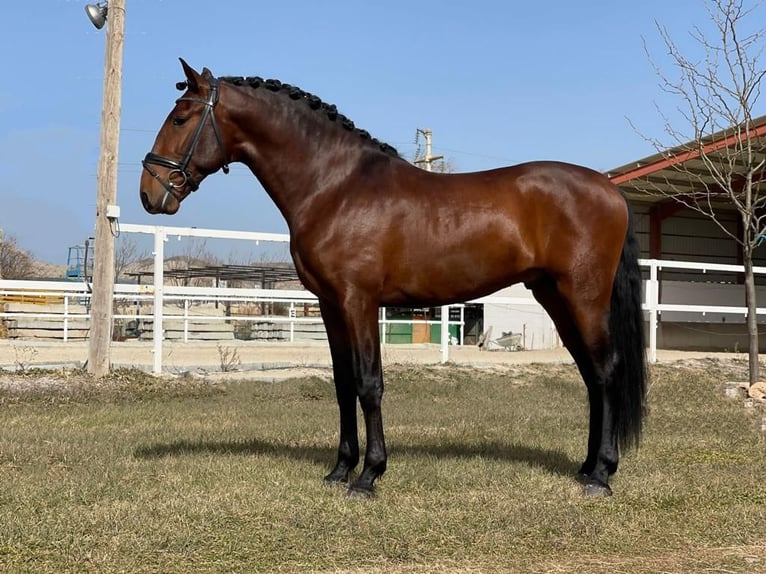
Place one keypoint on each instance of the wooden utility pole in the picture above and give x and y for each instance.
(102, 299)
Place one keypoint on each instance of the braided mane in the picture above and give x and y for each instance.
(298, 95)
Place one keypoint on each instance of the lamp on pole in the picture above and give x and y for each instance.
(107, 211)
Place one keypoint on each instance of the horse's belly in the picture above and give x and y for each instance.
(431, 285)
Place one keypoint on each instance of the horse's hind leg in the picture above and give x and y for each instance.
(582, 326)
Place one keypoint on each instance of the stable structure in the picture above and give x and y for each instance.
(265, 275)
(668, 230)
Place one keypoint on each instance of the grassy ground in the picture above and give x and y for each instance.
(139, 475)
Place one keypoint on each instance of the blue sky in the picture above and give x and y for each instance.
(499, 82)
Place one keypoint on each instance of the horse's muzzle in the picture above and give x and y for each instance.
(147, 205)
(167, 205)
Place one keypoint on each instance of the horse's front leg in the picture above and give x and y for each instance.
(345, 392)
(361, 317)
(352, 330)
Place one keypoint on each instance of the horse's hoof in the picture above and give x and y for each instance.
(594, 488)
(334, 479)
(361, 493)
(582, 478)
(331, 483)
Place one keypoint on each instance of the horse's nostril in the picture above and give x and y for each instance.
(145, 202)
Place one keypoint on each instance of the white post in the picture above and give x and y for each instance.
(293, 315)
(652, 300)
(445, 334)
(159, 291)
(382, 324)
(66, 318)
(186, 320)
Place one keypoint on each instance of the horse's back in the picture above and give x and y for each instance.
(537, 180)
(458, 236)
(529, 204)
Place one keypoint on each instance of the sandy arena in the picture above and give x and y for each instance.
(269, 359)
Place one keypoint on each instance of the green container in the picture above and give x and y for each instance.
(436, 332)
(399, 333)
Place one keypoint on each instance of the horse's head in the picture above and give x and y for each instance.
(188, 148)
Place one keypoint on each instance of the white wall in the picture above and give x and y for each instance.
(530, 319)
(540, 333)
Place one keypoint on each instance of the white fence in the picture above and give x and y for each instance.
(654, 308)
(160, 294)
(75, 297)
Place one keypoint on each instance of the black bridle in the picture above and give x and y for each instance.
(182, 168)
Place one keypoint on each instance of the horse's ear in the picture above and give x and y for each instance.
(207, 74)
(192, 77)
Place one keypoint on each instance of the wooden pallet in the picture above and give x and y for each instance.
(32, 298)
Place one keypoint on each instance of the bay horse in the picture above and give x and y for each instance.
(368, 229)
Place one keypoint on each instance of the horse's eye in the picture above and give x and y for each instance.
(179, 121)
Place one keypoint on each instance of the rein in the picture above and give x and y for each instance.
(182, 168)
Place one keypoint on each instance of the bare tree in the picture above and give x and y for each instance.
(126, 255)
(194, 254)
(15, 262)
(718, 92)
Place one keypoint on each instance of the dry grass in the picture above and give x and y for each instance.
(140, 475)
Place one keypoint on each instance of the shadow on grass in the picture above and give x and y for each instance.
(550, 460)
(555, 462)
(316, 454)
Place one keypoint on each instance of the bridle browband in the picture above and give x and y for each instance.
(181, 168)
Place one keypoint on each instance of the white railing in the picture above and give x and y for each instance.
(159, 294)
(654, 308)
(75, 297)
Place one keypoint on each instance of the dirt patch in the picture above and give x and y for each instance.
(273, 362)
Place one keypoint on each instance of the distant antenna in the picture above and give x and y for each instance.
(428, 159)
(418, 147)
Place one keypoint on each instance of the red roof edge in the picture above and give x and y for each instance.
(684, 153)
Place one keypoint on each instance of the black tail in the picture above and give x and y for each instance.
(626, 330)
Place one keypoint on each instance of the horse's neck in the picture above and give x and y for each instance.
(291, 167)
